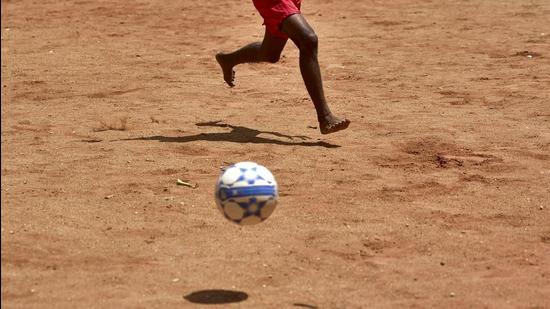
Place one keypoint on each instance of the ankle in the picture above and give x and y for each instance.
(325, 115)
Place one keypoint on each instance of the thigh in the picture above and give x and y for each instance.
(297, 28)
(272, 45)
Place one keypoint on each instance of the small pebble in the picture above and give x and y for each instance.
(11, 232)
(452, 294)
(175, 279)
(109, 196)
(541, 207)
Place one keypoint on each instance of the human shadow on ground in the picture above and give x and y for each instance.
(216, 297)
(238, 134)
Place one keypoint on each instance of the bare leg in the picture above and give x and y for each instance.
(267, 51)
(301, 33)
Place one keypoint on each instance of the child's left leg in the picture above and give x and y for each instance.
(269, 50)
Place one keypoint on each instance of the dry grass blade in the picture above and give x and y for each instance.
(187, 184)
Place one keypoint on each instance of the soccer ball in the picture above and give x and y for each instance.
(246, 193)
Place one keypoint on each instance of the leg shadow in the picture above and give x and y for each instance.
(216, 297)
(238, 134)
(305, 306)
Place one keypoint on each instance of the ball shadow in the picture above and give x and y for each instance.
(216, 297)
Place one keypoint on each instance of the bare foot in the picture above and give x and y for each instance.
(228, 72)
(331, 124)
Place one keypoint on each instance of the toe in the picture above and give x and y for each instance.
(335, 127)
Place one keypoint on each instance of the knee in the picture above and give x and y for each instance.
(309, 42)
(274, 58)
(269, 56)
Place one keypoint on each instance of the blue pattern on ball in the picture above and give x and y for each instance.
(228, 193)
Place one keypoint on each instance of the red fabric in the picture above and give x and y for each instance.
(275, 11)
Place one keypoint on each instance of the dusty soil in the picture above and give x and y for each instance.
(436, 196)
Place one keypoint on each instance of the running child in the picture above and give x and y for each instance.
(283, 20)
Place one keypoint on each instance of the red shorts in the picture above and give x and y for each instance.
(275, 11)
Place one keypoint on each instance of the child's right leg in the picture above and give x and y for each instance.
(301, 33)
(269, 50)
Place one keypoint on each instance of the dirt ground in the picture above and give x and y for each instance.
(436, 196)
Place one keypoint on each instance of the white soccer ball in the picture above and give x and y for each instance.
(246, 193)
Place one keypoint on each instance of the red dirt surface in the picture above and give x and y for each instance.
(436, 196)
